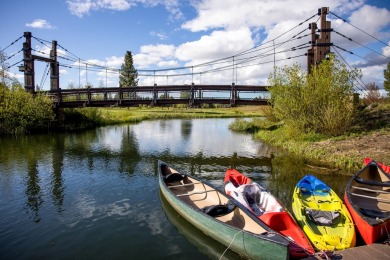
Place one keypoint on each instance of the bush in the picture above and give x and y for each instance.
(21, 112)
(320, 102)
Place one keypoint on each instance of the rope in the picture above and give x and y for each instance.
(231, 243)
(387, 232)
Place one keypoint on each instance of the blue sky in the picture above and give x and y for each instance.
(165, 34)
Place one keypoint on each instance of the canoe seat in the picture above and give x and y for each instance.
(322, 217)
(375, 213)
(372, 182)
(219, 210)
(173, 177)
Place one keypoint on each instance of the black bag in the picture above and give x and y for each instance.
(323, 218)
(219, 210)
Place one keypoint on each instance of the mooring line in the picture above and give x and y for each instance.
(231, 243)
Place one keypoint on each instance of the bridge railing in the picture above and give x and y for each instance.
(192, 95)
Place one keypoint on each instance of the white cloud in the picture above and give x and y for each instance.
(64, 71)
(83, 7)
(386, 50)
(168, 63)
(218, 44)
(40, 24)
(161, 35)
(153, 54)
(114, 61)
(253, 13)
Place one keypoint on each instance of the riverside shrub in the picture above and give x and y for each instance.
(21, 112)
(319, 102)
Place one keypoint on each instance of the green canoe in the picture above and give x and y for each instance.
(219, 216)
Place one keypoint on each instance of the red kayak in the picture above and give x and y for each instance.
(367, 197)
(268, 209)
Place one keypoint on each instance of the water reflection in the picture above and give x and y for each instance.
(210, 247)
(98, 189)
(33, 189)
(57, 181)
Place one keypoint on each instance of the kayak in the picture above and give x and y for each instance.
(322, 215)
(219, 216)
(367, 197)
(269, 210)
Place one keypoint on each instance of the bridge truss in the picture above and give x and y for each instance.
(191, 95)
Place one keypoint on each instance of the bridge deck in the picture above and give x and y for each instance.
(192, 95)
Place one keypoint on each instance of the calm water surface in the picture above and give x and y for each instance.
(95, 195)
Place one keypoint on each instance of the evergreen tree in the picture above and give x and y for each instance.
(386, 83)
(128, 76)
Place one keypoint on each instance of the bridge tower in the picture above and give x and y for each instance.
(28, 65)
(320, 44)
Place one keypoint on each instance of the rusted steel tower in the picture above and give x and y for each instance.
(320, 44)
(28, 66)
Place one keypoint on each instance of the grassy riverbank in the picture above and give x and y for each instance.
(369, 137)
(92, 117)
(129, 115)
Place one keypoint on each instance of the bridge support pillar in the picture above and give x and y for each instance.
(192, 95)
(233, 95)
(28, 68)
(155, 95)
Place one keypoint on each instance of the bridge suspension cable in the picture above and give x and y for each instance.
(359, 81)
(12, 43)
(350, 39)
(359, 29)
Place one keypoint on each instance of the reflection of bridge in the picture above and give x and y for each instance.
(192, 95)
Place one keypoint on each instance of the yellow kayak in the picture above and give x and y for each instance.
(322, 215)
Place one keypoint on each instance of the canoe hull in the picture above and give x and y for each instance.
(369, 233)
(337, 236)
(369, 189)
(277, 218)
(253, 246)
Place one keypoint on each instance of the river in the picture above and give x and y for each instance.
(95, 195)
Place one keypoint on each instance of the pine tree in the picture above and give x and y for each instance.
(128, 76)
(386, 83)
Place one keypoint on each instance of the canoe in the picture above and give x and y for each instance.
(367, 197)
(269, 210)
(322, 215)
(219, 216)
(386, 168)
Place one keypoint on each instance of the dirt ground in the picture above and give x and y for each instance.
(374, 145)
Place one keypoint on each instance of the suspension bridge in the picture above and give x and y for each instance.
(316, 45)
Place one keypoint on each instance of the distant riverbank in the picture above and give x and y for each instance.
(76, 119)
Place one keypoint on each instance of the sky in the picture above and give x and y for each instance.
(190, 41)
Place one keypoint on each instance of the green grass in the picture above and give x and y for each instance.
(109, 116)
